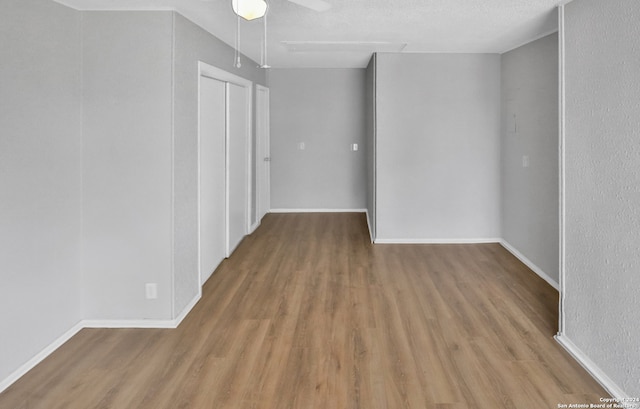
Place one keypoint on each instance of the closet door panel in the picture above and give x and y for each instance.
(237, 143)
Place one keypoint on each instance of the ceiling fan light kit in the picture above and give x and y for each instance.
(254, 9)
(249, 9)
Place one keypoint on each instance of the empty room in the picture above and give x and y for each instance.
(319, 204)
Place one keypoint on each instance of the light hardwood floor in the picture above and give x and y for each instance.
(308, 314)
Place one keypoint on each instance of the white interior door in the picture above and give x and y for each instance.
(263, 156)
(237, 179)
(213, 241)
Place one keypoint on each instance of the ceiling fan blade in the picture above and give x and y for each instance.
(317, 5)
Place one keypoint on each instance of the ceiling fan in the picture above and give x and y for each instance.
(253, 9)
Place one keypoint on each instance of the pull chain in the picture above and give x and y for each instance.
(264, 44)
(237, 56)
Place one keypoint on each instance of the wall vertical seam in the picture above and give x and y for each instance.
(81, 263)
(173, 291)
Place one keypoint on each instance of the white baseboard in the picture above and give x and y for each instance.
(530, 264)
(143, 323)
(366, 211)
(48, 350)
(318, 210)
(187, 309)
(30, 364)
(438, 241)
(129, 324)
(593, 369)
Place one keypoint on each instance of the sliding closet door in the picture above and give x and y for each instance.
(237, 143)
(213, 241)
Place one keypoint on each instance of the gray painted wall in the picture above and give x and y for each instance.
(325, 109)
(40, 183)
(370, 143)
(192, 44)
(86, 153)
(127, 163)
(530, 203)
(134, 64)
(438, 136)
(602, 161)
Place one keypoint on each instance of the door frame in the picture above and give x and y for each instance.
(207, 70)
(263, 141)
(200, 164)
(561, 172)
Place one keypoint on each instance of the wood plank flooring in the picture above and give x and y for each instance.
(307, 313)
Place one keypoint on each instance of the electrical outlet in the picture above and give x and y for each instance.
(151, 291)
(525, 161)
(301, 146)
(354, 147)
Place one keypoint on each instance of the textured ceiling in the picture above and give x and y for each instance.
(347, 34)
